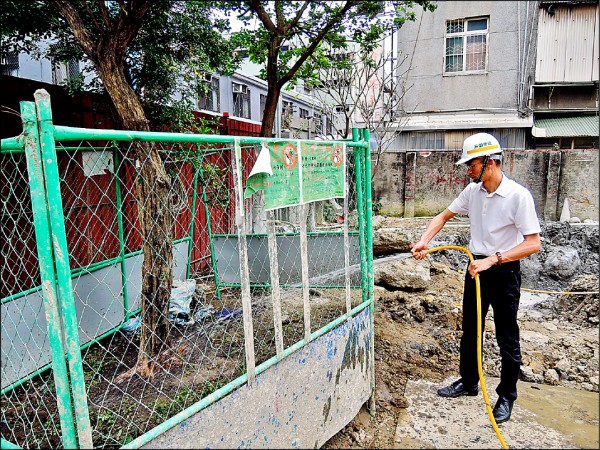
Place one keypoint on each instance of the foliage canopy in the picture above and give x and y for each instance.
(177, 42)
(293, 39)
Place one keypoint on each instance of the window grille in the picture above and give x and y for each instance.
(318, 126)
(9, 64)
(287, 112)
(241, 100)
(263, 103)
(329, 126)
(466, 44)
(63, 71)
(287, 108)
(208, 95)
(304, 113)
(509, 139)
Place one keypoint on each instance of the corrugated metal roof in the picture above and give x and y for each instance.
(566, 126)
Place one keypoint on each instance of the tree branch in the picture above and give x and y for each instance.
(80, 32)
(279, 15)
(292, 23)
(257, 7)
(308, 51)
(129, 22)
(104, 13)
(96, 24)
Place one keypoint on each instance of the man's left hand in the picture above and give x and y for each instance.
(479, 265)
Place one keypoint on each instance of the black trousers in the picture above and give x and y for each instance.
(500, 287)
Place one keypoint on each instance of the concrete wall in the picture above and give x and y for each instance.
(424, 183)
(423, 42)
(579, 183)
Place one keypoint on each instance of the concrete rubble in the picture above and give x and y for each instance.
(417, 334)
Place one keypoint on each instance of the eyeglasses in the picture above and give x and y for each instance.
(472, 166)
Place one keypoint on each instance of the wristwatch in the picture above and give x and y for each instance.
(499, 255)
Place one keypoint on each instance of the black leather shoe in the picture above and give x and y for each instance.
(502, 409)
(457, 389)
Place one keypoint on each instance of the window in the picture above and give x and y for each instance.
(304, 113)
(9, 64)
(329, 127)
(287, 112)
(263, 102)
(240, 53)
(318, 126)
(348, 56)
(287, 108)
(208, 93)
(466, 45)
(337, 81)
(241, 100)
(64, 71)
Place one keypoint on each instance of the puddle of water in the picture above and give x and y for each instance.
(571, 411)
(528, 304)
(530, 299)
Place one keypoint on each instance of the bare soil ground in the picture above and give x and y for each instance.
(416, 345)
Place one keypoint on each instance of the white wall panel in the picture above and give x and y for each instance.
(595, 59)
(551, 46)
(568, 44)
(580, 44)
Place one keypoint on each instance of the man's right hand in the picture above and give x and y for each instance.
(419, 250)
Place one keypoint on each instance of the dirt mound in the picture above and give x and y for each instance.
(581, 309)
(568, 249)
(417, 332)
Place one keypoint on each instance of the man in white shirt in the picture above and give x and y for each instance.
(504, 229)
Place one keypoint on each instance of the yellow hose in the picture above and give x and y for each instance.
(479, 364)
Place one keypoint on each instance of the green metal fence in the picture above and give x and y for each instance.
(250, 286)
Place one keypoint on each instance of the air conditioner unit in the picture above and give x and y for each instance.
(240, 88)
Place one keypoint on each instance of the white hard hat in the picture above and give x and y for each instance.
(478, 145)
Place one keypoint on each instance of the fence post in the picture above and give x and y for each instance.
(275, 289)
(360, 209)
(347, 239)
(244, 271)
(193, 213)
(63, 268)
(304, 268)
(369, 255)
(119, 202)
(39, 206)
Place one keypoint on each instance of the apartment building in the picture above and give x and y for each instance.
(241, 96)
(525, 71)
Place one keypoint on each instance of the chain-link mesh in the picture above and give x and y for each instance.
(29, 406)
(203, 347)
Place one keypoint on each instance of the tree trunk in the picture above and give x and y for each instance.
(154, 216)
(273, 89)
(273, 92)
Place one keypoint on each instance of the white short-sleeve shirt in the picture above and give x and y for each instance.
(500, 219)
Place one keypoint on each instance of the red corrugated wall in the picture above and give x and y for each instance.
(90, 202)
